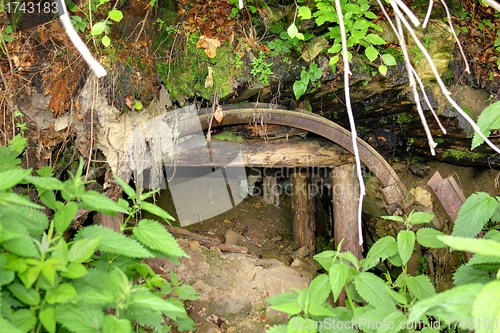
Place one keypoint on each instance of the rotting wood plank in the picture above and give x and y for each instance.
(290, 153)
(448, 194)
(303, 217)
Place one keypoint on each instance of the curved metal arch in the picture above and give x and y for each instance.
(393, 189)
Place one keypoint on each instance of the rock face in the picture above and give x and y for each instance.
(233, 285)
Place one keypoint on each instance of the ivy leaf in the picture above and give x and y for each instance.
(152, 234)
(116, 15)
(488, 120)
(375, 39)
(474, 214)
(382, 69)
(372, 289)
(299, 89)
(388, 59)
(292, 30)
(371, 53)
(428, 237)
(406, 244)
(338, 278)
(304, 12)
(98, 28)
(106, 41)
(420, 286)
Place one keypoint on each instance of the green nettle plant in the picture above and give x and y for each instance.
(409, 303)
(358, 21)
(93, 282)
(370, 300)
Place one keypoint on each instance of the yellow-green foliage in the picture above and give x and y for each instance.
(228, 136)
(186, 74)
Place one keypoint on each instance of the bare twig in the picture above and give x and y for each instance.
(354, 135)
(428, 15)
(462, 53)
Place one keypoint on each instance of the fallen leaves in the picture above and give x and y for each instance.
(209, 44)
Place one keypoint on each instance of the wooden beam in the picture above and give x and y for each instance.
(303, 213)
(294, 152)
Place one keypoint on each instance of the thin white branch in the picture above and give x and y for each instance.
(428, 15)
(445, 91)
(462, 53)
(427, 101)
(354, 135)
(79, 44)
(404, 8)
(413, 86)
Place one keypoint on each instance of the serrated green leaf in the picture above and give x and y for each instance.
(393, 218)
(101, 203)
(75, 271)
(486, 307)
(153, 235)
(467, 274)
(16, 199)
(98, 28)
(486, 247)
(64, 215)
(47, 317)
(448, 305)
(304, 13)
(474, 214)
(382, 69)
(420, 217)
(428, 237)
(325, 258)
(299, 89)
(371, 53)
(187, 292)
(338, 278)
(83, 249)
(80, 319)
(113, 242)
(33, 220)
(388, 59)
(301, 325)
(384, 248)
(116, 15)
(17, 144)
(153, 209)
(277, 329)
(318, 290)
(351, 258)
(488, 120)
(12, 177)
(375, 39)
(171, 307)
(27, 296)
(21, 244)
(7, 326)
(420, 286)
(61, 294)
(372, 289)
(395, 321)
(24, 319)
(406, 244)
(129, 191)
(46, 183)
(370, 15)
(286, 302)
(111, 324)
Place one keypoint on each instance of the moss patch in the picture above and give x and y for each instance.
(459, 154)
(186, 74)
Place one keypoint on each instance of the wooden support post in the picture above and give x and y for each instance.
(303, 220)
(345, 208)
(270, 187)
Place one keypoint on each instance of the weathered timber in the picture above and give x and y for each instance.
(294, 152)
(448, 193)
(270, 188)
(345, 208)
(303, 219)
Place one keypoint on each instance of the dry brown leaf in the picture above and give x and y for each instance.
(209, 44)
(209, 81)
(128, 101)
(218, 114)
